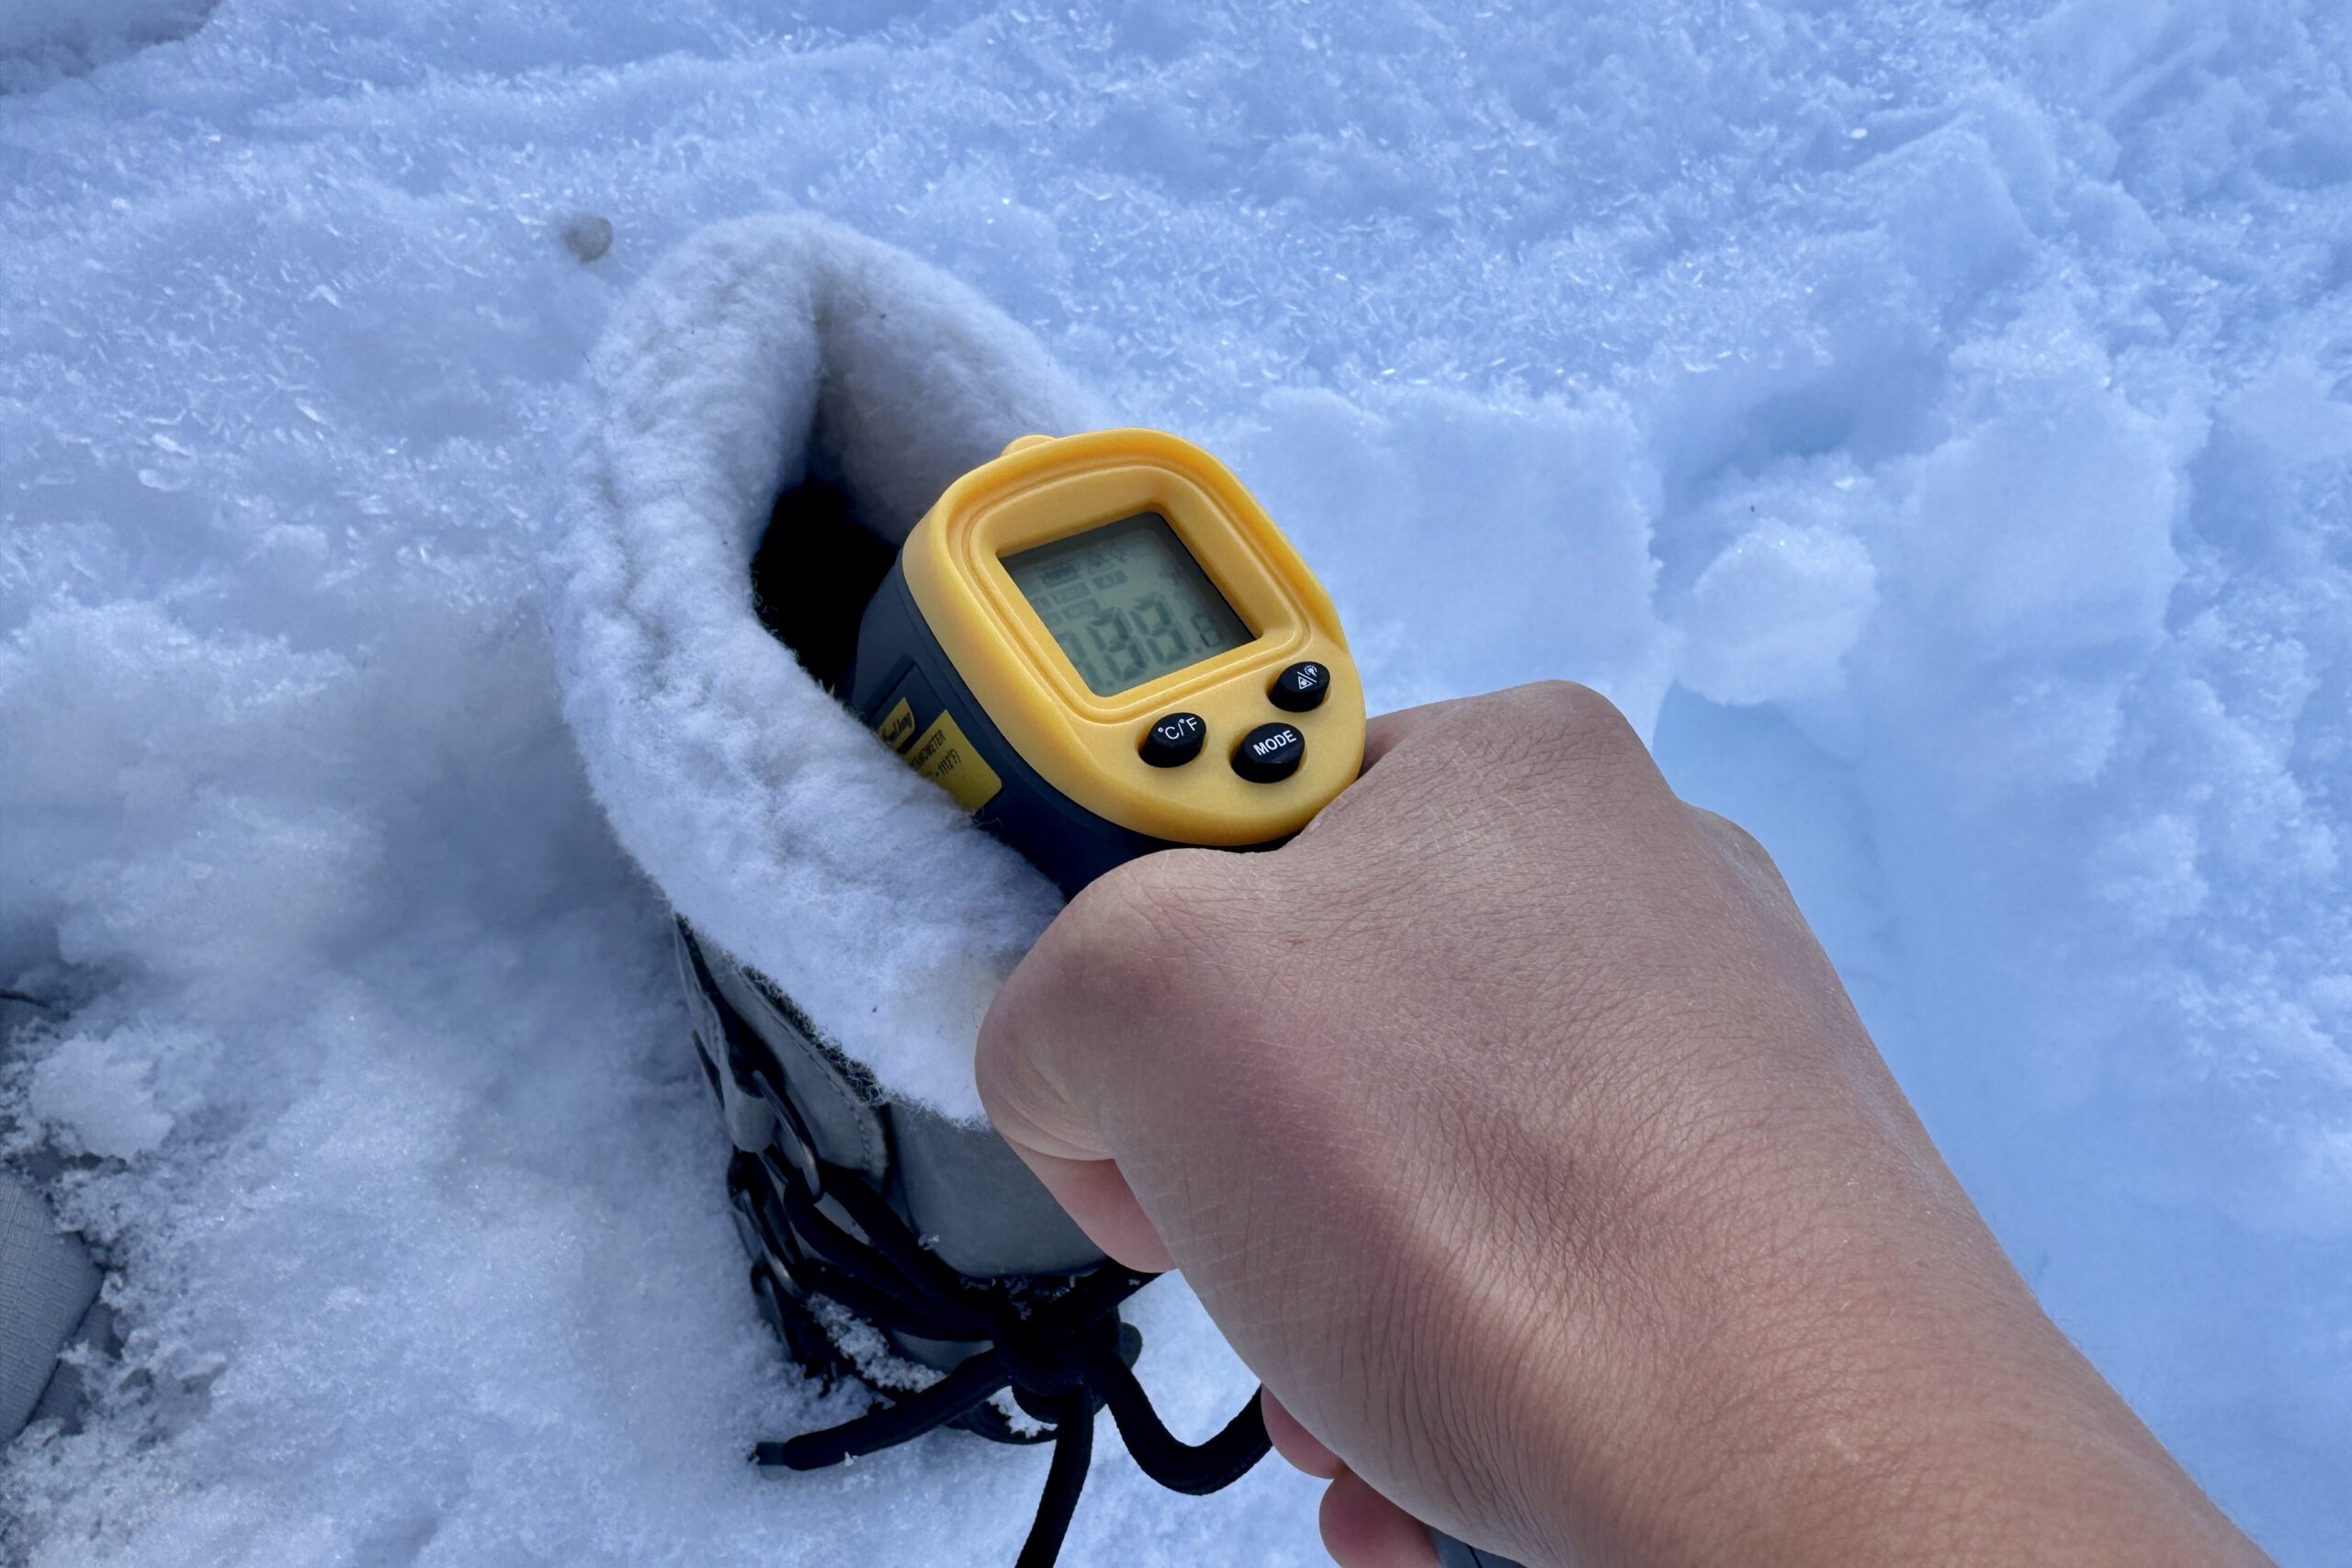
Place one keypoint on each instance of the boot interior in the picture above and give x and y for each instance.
(816, 568)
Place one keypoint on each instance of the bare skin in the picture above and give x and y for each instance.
(1514, 1128)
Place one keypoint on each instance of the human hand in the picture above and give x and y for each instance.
(1514, 1128)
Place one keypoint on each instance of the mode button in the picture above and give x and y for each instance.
(1270, 753)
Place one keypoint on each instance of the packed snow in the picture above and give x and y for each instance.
(1934, 426)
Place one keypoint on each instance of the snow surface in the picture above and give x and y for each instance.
(1935, 426)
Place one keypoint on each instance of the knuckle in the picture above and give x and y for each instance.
(1558, 727)
(1742, 846)
(1738, 839)
(1569, 711)
(1120, 934)
(1185, 884)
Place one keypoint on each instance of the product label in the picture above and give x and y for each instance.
(898, 726)
(945, 757)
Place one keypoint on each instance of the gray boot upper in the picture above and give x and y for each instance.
(48, 1286)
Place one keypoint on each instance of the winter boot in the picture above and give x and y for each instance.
(767, 418)
(48, 1290)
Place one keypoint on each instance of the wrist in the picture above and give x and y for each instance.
(1849, 1378)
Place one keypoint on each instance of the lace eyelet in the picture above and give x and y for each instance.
(792, 1140)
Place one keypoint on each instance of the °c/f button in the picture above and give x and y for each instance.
(1174, 740)
(1270, 753)
(1301, 687)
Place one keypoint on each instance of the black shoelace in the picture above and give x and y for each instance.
(1063, 1358)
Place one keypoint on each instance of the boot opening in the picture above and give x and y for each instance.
(816, 568)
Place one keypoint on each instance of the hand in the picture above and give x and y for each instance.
(1513, 1127)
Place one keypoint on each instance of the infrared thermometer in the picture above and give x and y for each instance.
(1100, 645)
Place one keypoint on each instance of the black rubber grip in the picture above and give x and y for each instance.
(1452, 1553)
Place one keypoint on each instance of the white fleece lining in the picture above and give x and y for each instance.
(772, 820)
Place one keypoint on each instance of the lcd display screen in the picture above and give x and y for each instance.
(1127, 602)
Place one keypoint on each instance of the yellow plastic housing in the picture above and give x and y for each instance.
(1087, 746)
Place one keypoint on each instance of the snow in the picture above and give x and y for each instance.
(1775, 614)
(42, 41)
(95, 1094)
(1932, 425)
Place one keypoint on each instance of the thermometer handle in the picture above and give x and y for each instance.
(1452, 1553)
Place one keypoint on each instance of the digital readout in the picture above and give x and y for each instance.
(1127, 602)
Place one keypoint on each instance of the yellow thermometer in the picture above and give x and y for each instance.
(1102, 646)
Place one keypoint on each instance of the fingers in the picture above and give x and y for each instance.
(1056, 1041)
(1363, 1530)
(1095, 1193)
(1018, 1067)
(1056, 1140)
(1055, 1058)
(1302, 1448)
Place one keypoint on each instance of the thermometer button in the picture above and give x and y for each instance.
(1174, 740)
(1300, 688)
(1270, 753)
